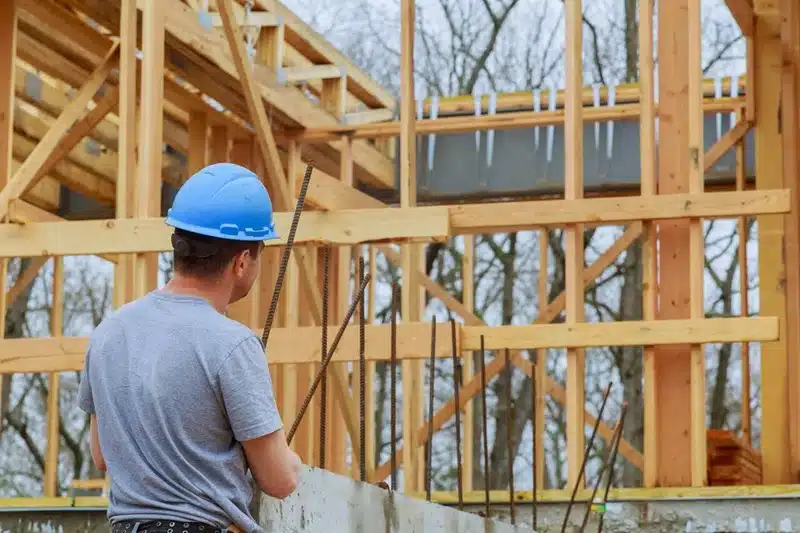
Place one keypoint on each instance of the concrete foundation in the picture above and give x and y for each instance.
(328, 503)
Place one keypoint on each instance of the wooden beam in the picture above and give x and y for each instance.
(54, 389)
(501, 121)
(151, 135)
(775, 423)
(23, 179)
(744, 15)
(573, 239)
(649, 189)
(356, 226)
(697, 386)
(145, 235)
(299, 344)
(303, 74)
(673, 362)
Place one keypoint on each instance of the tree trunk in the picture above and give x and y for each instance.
(629, 361)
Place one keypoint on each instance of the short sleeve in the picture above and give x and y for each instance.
(246, 389)
(85, 398)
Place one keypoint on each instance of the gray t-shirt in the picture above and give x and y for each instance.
(176, 387)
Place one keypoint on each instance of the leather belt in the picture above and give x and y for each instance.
(167, 526)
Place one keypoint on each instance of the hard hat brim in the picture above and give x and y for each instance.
(209, 232)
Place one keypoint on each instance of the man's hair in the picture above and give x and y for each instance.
(202, 256)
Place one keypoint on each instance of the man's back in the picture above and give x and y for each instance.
(175, 385)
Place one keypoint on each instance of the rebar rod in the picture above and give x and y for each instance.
(586, 457)
(510, 429)
(287, 250)
(610, 457)
(323, 390)
(393, 387)
(485, 430)
(362, 367)
(613, 464)
(327, 360)
(456, 388)
(431, 382)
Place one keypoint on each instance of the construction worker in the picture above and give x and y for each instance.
(180, 396)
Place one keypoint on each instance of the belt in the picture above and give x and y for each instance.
(168, 526)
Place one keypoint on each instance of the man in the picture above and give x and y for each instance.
(180, 396)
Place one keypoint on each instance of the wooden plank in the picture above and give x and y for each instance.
(300, 344)
(501, 121)
(148, 186)
(573, 238)
(649, 189)
(775, 423)
(144, 235)
(743, 14)
(54, 388)
(516, 216)
(304, 74)
(673, 363)
(790, 124)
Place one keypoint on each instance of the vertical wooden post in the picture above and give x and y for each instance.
(8, 53)
(744, 294)
(775, 445)
(220, 144)
(198, 141)
(54, 389)
(697, 432)
(150, 143)
(790, 119)
(126, 162)
(649, 239)
(410, 295)
(673, 363)
(573, 180)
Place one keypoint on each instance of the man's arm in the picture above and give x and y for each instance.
(247, 392)
(94, 445)
(86, 403)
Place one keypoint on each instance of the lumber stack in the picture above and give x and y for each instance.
(731, 461)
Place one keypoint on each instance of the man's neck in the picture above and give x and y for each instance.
(215, 293)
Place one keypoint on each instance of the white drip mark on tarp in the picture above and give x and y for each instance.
(537, 106)
(596, 98)
(551, 129)
(477, 100)
(717, 96)
(612, 98)
(490, 135)
(432, 138)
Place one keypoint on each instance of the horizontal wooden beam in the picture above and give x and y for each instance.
(369, 116)
(630, 333)
(501, 121)
(115, 236)
(375, 225)
(517, 216)
(301, 345)
(255, 18)
(314, 72)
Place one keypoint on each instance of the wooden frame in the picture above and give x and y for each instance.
(271, 125)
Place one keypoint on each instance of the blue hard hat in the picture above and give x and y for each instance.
(226, 201)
